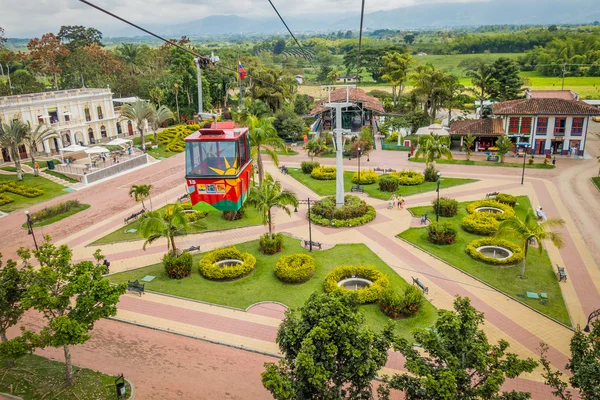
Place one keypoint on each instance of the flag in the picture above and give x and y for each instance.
(241, 70)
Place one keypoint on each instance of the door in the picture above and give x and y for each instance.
(5, 155)
(130, 128)
(91, 136)
(557, 147)
(539, 146)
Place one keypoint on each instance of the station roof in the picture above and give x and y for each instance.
(216, 134)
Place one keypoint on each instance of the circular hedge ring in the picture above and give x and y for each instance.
(409, 177)
(480, 224)
(323, 173)
(507, 213)
(369, 294)
(517, 252)
(211, 266)
(355, 212)
(295, 268)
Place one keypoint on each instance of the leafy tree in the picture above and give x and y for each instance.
(430, 85)
(141, 192)
(395, 71)
(77, 36)
(24, 82)
(11, 137)
(139, 111)
(250, 108)
(159, 116)
(302, 104)
(416, 120)
(453, 97)
(71, 297)
(156, 95)
(33, 138)
(315, 147)
(288, 125)
(90, 66)
(504, 144)
(432, 147)
(532, 230)
(506, 75)
(270, 195)
(263, 134)
(482, 77)
(279, 46)
(325, 60)
(275, 88)
(130, 53)
(409, 38)
(2, 38)
(333, 76)
(468, 142)
(47, 55)
(455, 360)
(168, 224)
(328, 352)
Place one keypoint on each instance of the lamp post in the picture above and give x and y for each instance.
(310, 242)
(524, 159)
(437, 208)
(30, 228)
(593, 314)
(359, 154)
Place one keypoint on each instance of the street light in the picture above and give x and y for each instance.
(593, 314)
(310, 242)
(30, 228)
(359, 154)
(437, 208)
(524, 159)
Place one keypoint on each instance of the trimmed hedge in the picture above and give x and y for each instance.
(210, 270)
(5, 199)
(507, 199)
(447, 207)
(409, 177)
(367, 177)
(441, 233)
(480, 224)
(308, 166)
(368, 294)
(295, 268)
(25, 191)
(178, 266)
(395, 304)
(354, 212)
(323, 173)
(474, 253)
(388, 183)
(196, 216)
(174, 137)
(270, 246)
(508, 211)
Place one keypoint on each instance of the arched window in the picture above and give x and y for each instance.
(100, 116)
(91, 136)
(119, 129)
(103, 131)
(88, 116)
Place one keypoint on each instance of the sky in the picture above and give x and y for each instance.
(29, 18)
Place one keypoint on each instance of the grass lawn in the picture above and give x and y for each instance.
(9, 169)
(540, 275)
(36, 377)
(50, 189)
(213, 222)
(538, 165)
(159, 152)
(327, 188)
(41, 163)
(262, 285)
(283, 153)
(61, 176)
(59, 217)
(596, 181)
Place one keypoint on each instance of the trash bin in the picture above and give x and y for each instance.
(50, 164)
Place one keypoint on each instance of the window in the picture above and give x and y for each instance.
(88, 116)
(103, 131)
(211, 158)
(577, 127)
(542, 126)
(91, 136)
(526, 125)
(100, 116)
(119, 129)
(513, 125)
(559, 126)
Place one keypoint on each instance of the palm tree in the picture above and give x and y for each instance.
(432, 147)
(482, 78)
(141, 192)
(430, 84)
(333, 76)
(532, 230)
(35, 137)
(138, 111)
(453, 96)
(394, 70)
(262, 134)
(315, 147)
(270, 195)
(468, 142)
(160, 115)
(11, 137)
(504, 144)
(130, 53)
(168, 224)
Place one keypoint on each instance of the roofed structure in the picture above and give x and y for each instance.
(355, 95)
(551, 94)
(477, 127)
(543, 106)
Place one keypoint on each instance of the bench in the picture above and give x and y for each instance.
(308, 243)
(133, 216)
(183, 198)
(562, 275)
(383, 170)
(420, 284)
(192, 248)
(424, 219)
(136, 286)
(283, 170)
(357, 188)
(490, 195)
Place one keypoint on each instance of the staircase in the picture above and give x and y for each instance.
(29, 170)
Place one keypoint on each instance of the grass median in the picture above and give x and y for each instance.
(50, 189)
(539, 165)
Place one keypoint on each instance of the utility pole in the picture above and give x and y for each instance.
(563, 76)
(200, 61)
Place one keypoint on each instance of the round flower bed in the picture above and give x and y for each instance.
(441, 233)
(409, 177)
(354, 212)
(211, 269)
(472, 250)
(323, 173)
(295, 268)
(507, 211)
(366, 177)
(395, 303)
(480, 224)
(369, 294)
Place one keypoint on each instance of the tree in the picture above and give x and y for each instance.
(325, 60)
(315, 147)
(90, 66)
(270, 195)
(328, 351)
(531, 230)
(156, 95)
(130, 53)
(302, 104)
(279, 46)
(263, 134)
(468, 142)
(141, 192)
(167, 224)
(504, 144)
(24, 82)
(409, 38)
(77, 36)
(507, 81)
(288, 125)
(454, 360)
(159, 116)
(432, 147)
(47, 55)
(333, 76)
(395, 70)
(139, 111)
(482, 77)
(430, 84)
(71, 297)
(33, 138)
(453, 97)
(11, 137)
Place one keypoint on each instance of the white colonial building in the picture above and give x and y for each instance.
(79, 116)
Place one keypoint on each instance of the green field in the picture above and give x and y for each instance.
(262, 285)
(50, 189)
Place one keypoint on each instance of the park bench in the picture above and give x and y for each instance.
(284, 170)
(192, 248)
(133, 216)
(490, 195)
(136, 286)
(562, 275)
(383, 170)
(308, 243)
(424, 219)
(420, 284)
(183, 198)
(357, 188)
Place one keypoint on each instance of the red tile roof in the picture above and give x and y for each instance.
(543, 106)
(356, 95)
(478, 127)
(552, 94)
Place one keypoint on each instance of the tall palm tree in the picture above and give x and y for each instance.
(394, 70)
(430, 84)
(482, 78)
(453, 96)
(130, 53)
(141, 192)
(262, 134)
(160, 115)
(138, 111)
(315, 147)
(504, 144)
(11, 137)
(166, 224)
(531, 230)
(268, 196)
(468, 142)
(35, 137)
(432, 147)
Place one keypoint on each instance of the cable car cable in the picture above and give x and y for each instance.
(362, 15)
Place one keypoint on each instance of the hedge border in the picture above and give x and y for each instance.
(211, 272)
(304, 271)
(408, 177)
(508, 210)
(472, 223)
(366, 295)
(344, 223)
(472, 251)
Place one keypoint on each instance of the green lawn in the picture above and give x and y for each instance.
(36, 378)
(50, 189)
(327, 188)
(262, 285)
(60, 217)
(540, 275)
(537, 165)
(61, 176)
(41, 163)
(9, 169)
(596, 182)
(213, 222)
(283, 153)
(159, 152)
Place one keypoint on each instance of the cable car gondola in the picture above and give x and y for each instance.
(218, 168)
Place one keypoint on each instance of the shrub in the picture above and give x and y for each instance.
(368, 294)
(480, 224)
(477, 255)
(210, 270)
(323, 173)
(5, 200)
(531, 161)
(271, 246)
(186, 205)
(393, 138)
(413, 300)
(366, 177)
(178, 266)
(388, 183)
(430, 174)
(446, 207)
(308, 166)
(354, 212)
(196, 216)
(25, 191)
(391, 302)
(508, 211)
(295, 268)
(507, 199)
(55, 210)
(234, 215)
(408, 178)
(193, 127)
(441, 233)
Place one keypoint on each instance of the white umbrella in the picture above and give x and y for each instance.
(118, 142)
(73, 148)
(97, 150)
(435, 129)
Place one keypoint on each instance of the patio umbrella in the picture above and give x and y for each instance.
(434, 129)
(70, 149)
(118, 142)
(96, 150)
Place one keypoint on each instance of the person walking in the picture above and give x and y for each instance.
(114, 155)
(392, 202)
(400, 202)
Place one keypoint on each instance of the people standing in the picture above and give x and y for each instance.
(392, 203)
(114, 155)
(400, 202)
